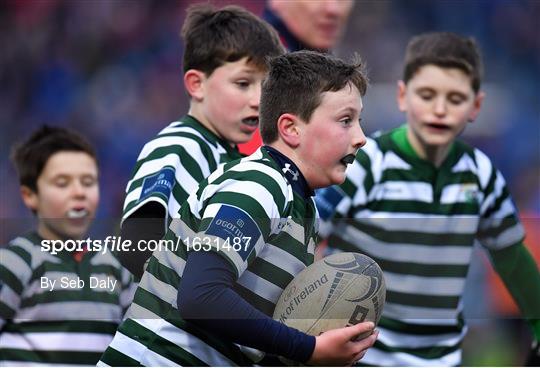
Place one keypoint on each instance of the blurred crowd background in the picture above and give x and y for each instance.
(111, 69)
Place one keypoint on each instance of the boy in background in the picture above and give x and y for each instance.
(248, 229)
(224, 65)
(59, 321)
(417, 198)
(308, 25)
(304, 25)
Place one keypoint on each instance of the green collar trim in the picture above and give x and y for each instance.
(399, 136)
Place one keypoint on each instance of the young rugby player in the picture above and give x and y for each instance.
(417, 198)
(224, 65)
(58, 308)
(248, 229)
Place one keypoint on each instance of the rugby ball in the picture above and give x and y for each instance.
(340, 290)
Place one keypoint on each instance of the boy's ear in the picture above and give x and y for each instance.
(289, 129)
(194, 83)
(29, 197)
(400, 95)
(478, 100)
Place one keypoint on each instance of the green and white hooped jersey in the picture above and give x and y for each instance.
(248, 198)
(71, 324)
(419, 224)
(171, 165)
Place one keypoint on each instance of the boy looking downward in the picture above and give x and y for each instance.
(417, 198)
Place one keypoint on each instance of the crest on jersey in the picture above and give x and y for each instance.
(470, 192)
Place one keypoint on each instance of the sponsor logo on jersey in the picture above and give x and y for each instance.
(160, 183)
(237, 227)
(293, 173)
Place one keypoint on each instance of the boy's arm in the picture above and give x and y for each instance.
(501, 233)
(167, 170)
(519, 272)
(147, 223)
(14, 275)
(206, 298)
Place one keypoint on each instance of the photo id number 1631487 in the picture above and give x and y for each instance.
(206, 243)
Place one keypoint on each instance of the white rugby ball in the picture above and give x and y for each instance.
(340, 290)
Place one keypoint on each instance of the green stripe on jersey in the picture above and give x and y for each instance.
(51, 357)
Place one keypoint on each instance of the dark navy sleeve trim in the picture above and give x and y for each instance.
(207, 299)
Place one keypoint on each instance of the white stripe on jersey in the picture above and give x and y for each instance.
(71, 310)
(160, 289)
(398, 311)
(10, 298)
(396, 339)
(393, 161)
(484, 167)
(190, 343)
(263, 288)
(377, 357)
(441, 286)
(465, 163)
(403, 191)
(418, 222)
(264, 197)
(276, 255)
(78, 341)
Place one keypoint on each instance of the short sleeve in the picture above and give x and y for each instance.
(167, 170)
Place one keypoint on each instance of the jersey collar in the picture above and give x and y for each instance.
(210, 136)
(291, 172)
(404, 148)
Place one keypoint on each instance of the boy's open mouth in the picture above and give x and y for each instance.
(438, 126)
(251, 121)
(347, 160)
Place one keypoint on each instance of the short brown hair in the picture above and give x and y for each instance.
(31, 156)
(296, 82)
(446, 50)
(213, 37)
